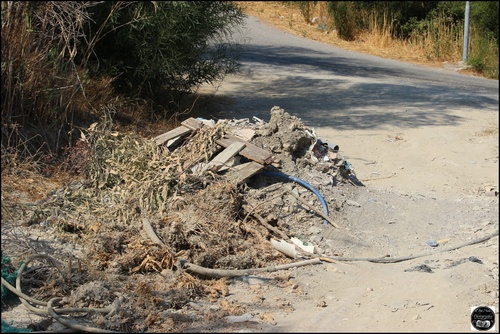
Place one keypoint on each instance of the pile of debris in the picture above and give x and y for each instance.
(204, 200)
(261, 160)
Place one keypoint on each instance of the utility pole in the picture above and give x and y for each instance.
(466, 31)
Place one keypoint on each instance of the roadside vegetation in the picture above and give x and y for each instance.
(68, 64)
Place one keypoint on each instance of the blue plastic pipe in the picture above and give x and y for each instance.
(302, 183)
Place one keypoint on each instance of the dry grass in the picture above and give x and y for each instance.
(488, 132)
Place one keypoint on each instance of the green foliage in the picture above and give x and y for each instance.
(62, 59)
(6, 328)
(9, 273)
(452, 9)
(406, 16)
(484, 14)
(151, 47)
(436, 25)
(483, 56)
(404, 12)
(345, 18)
(399, 13)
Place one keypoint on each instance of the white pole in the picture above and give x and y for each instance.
(466, 31)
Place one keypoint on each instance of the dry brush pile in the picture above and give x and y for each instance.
(149, 232)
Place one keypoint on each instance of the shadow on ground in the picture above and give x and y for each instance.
(324, 89)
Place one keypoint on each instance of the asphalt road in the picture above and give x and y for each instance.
(332, 87)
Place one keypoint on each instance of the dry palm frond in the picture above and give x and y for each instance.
(130, 177)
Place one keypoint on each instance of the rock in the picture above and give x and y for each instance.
(432, 243)
(321, 303)
(330, 243)
(314, 230)
(491, 193)
(316, 239)
(239, 318)
(353, 203)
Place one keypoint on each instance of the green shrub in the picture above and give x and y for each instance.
(483, 55)
(150, 47)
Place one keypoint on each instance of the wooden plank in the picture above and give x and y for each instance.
(180, 131)
(216, 163)
(240, 173)
(193, 123)
(245, 134)
(250, 151)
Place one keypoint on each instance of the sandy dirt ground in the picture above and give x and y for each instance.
(436, 182)
(425, 184)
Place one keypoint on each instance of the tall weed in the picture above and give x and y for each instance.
(483, 53)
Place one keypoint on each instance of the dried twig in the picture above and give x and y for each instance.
(219, 273)
(250, 210)
(146, 225)
(70, 323)
(378, 178)
(322, 214)
(410, 257)
(267, 225)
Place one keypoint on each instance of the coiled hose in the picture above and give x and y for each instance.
(302, 183)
